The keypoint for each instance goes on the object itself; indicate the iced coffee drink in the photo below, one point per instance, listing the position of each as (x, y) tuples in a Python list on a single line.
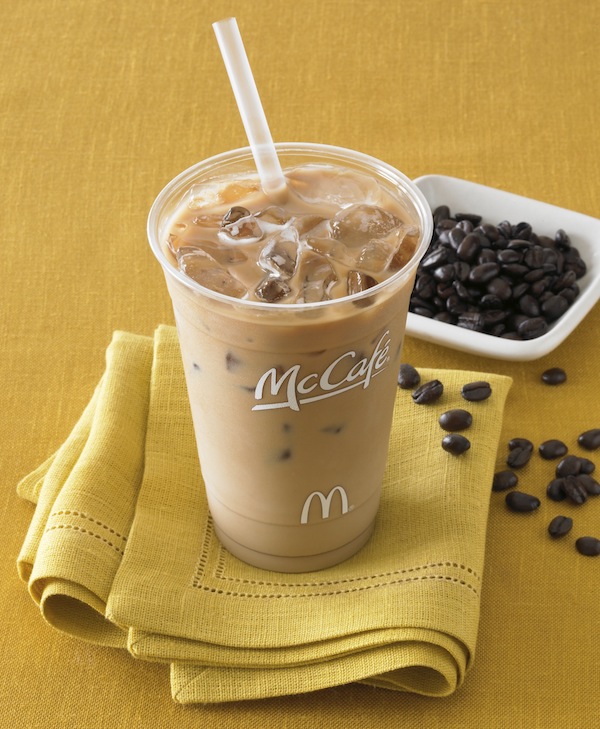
[(290, 314)]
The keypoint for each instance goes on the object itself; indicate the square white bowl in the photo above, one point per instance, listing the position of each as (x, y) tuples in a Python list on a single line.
[(462, 196)]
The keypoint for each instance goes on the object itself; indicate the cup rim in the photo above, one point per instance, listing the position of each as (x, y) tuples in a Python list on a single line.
[(334, 153)]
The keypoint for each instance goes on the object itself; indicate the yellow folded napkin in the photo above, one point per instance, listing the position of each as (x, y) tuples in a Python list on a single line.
[(121, 549)]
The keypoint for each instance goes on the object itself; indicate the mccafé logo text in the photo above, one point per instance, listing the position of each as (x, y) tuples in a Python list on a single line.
[(293, 389)]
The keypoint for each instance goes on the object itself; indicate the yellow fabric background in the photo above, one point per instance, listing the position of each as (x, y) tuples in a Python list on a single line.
[(101, 103)]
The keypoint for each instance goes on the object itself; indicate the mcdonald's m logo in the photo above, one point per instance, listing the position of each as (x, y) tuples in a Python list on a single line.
[(325, 503)]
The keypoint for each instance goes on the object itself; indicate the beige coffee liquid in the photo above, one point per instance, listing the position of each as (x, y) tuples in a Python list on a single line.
[(291, 403)]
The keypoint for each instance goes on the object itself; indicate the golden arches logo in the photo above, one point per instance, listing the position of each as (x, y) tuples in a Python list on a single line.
[(325, 503)]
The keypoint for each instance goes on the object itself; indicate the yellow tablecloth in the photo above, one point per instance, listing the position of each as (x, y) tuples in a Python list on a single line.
[(101, 103)]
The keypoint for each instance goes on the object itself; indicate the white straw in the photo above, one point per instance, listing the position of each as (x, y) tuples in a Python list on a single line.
[(251, 110)]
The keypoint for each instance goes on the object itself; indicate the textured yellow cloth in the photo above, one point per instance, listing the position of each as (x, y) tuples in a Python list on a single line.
[(121, 546)]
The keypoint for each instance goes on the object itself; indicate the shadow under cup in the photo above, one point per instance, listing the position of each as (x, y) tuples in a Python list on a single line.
[(291, 403)]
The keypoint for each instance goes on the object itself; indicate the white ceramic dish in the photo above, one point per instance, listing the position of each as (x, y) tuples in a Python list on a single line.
[(494, 205)]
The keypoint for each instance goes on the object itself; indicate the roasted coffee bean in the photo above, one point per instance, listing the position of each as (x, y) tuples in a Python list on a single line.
[(504, 480), (529, 305), (562, 239), (588, 546), (424, 311), (534, 257), (590, 440), (493, 317), (519, 243), (425, 286), (444, 273), (532, 276), (509, 255), (476, 391), (532, 328), (589, 484), (484, 272), (520, 443), (518, 457), (586, 466), (461, 290), (551, 449), (464, 224), (569, 466), (442, 212), (428, 392), (554, 307), (408, 377), (500, 288), (518, 291), (559, 526), (519, 501), (554, 376), (516, 271), (434, 259), (454, 420), (486, 255), (469, 247), (473, 218), (505, 261), (522, 230), (574, 490), (461, 270), (457, 307), (574, 262), (555, 490), (472, 320), (456, 236), (455, 444)]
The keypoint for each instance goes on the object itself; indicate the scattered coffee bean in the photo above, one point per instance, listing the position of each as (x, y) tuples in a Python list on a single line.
[(520, 443), (574, 490), (588, 546), (408, 377), (518, 456), (590, 440), (559, 526), (457, 419), (455, 444), (504, 280), (586, 466), (428, 392), (522, 502), (504, 480), (476, 391), (555, 490), (554, 376), (569, 466), (589, 484), (551, 449)]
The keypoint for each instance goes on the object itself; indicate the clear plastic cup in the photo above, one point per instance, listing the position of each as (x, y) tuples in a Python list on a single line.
[(291, 403)]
